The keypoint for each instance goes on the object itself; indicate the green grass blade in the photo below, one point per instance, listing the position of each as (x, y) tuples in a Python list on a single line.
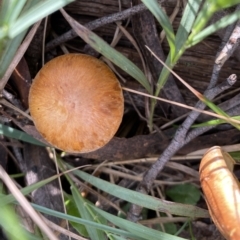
[(102, 227), (83, 221), (116, 237), (219, 111), (222, 4), (34, 14), (6, 9), (3, 32), (141, 231), (110, 53), (213, 122), (207, 11), (202, 19), (10, 222), (97, 216), (8, 48), (164, 21), (16, 134), (235, 156), (72, 210), (186, 23), (222, 23), (83, 210), (163, 76), (16, 10), (142, 199)]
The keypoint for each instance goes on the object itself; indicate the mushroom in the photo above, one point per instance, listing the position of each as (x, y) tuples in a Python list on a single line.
[(221, 191), (76, 103)]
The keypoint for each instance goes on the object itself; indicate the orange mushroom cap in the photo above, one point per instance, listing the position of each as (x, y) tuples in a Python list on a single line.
[(221, 190), (76, 103)]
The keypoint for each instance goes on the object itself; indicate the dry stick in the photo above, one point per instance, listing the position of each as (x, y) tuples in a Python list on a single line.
[(180, 137), (230, 46), (18, 56), (26, 205), (96, 24), (177, 143)]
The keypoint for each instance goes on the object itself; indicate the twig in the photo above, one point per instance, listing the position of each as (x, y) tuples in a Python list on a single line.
[(217, 67), (179, 139), (96, 24), (25, 204), (230, 46), (181, 134), (177, 143)]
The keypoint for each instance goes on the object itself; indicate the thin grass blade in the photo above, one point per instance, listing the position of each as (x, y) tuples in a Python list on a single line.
[(164, 21), (83, 221), (10, 222), (142, 199), (8, 48), (115, 237), (6, 10), (16, 134), (211, 105), (83, 210), (213, 122), (186, 23), (222, 23), (222, 4), (34, 14), (139, 230), (219, 111), (16, 10), (207, 11), (163, 76), (72, 210)]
